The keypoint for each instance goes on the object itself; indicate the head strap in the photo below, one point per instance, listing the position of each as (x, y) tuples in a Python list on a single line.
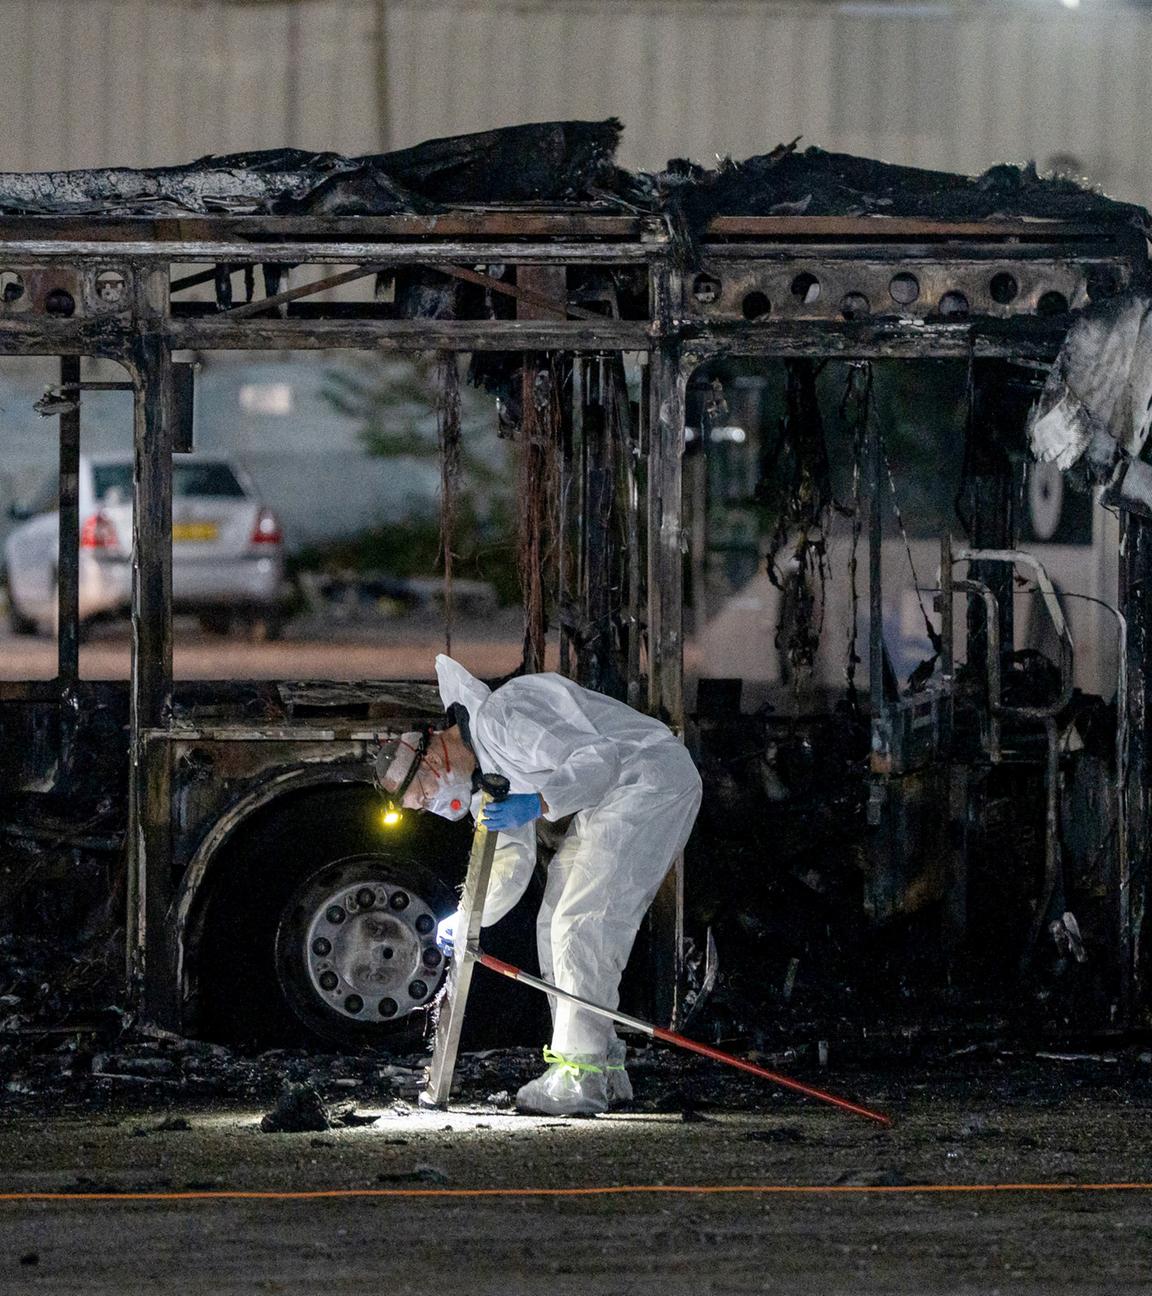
[(396, 795)]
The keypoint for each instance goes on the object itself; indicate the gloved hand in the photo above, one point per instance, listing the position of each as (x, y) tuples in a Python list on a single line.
[(513, 812), (446, 932)]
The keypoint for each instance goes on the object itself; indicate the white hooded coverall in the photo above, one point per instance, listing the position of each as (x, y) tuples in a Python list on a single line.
[(634, 791)]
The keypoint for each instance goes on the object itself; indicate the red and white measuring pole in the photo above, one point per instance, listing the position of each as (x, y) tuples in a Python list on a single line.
[(671, 1037)]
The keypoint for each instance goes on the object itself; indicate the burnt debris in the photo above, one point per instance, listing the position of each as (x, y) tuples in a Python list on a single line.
[(814, 182), (299, 1109), (554, 163), (550, 162)]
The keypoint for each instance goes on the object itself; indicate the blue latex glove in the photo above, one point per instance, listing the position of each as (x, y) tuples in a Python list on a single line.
[(446, 932), (513, 812)]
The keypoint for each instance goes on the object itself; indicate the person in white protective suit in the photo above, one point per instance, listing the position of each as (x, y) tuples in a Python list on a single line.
[(633, 793)]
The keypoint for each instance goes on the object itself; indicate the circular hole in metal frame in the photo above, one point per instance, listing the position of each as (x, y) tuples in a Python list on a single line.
[(1104, 281), (11, 287), (805, 287), (755, 306), (904, 288), (60, 303), (110, 287), (1052, 303), (1003, 288), (706, 289)]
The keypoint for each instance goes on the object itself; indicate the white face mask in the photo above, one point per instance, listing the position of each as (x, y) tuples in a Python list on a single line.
[(452, 797)]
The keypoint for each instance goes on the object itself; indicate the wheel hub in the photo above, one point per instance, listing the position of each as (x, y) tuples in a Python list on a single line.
[(371, 951)]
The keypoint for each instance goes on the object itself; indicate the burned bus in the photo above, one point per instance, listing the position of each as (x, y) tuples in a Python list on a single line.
[(719, 388)]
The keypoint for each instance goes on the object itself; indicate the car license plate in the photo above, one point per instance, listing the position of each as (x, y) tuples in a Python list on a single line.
[(195, 531)]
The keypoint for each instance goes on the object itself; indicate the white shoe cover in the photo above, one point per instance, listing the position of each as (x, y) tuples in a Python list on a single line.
[(574, 1085), (619, 1084)]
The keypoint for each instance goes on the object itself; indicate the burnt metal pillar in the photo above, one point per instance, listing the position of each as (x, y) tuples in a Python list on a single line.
[(549, 283), (881, 760), (597, 663), (68, 554), (150, 880), (954, 929), (990, 500), (630, 451), (1136, 604), (668, 384), (568, 508)]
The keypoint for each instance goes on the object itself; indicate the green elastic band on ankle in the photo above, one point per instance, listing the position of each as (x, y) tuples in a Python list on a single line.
[(615, 1066), (569, 1066)]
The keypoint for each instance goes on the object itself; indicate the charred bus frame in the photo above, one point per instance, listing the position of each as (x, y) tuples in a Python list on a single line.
[(740, 300)]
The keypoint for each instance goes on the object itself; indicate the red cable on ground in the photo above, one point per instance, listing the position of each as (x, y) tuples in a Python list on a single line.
[(671, 1037), (705, 1050)]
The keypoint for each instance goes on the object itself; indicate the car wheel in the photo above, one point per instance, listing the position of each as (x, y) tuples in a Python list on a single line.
[(356, 953), (18, 623), (254, 979), (264, 627), (215, 621)]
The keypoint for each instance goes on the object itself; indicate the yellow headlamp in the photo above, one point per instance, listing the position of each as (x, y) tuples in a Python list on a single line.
[(392, 789)]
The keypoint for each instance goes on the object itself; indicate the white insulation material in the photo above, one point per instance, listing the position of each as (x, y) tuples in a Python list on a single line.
[(1096, 408), (1101, 382)]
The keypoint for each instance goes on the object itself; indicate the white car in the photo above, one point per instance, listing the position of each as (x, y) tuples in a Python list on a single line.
[(227, 549)]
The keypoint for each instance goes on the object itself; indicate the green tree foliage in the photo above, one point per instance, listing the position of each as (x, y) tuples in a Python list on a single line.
[(393, 403), (392, 400)]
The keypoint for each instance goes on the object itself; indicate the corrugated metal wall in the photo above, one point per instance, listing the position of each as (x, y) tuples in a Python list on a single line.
[(151, 82), (959, 86)]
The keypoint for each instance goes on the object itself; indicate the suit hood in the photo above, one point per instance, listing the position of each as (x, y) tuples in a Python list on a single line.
[(459, 685)]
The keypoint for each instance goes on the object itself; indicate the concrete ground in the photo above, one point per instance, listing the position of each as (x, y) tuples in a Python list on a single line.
[(837, 1204)]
